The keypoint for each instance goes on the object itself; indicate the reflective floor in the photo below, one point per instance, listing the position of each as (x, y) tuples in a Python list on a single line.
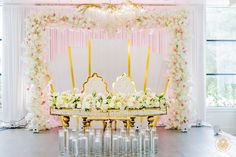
[(198, 142)]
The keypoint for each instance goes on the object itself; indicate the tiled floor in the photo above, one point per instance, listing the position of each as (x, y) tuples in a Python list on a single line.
[(198, 142)]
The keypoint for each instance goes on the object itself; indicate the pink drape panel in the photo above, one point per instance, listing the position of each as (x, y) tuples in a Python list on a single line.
[(61, 38)]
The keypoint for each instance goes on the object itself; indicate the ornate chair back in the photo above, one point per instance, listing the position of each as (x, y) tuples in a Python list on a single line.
[(95, 83), (124, 85)]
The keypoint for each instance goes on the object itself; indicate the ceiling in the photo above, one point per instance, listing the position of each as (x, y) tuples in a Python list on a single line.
[(162, 2), (107, 1)]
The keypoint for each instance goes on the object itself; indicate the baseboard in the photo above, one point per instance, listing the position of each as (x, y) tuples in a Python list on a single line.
[(229, 130), (223, 117)]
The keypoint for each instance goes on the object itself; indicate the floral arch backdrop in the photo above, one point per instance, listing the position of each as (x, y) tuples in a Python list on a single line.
[(126, 17)]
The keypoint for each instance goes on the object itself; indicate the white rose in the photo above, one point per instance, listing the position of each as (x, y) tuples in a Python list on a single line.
[(111, 105)]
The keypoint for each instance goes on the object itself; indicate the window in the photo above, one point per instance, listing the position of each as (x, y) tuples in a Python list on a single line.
[(1, 56), (221, 56)]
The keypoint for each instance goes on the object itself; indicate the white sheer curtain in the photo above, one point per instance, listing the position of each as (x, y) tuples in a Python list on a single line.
[(197, 58), (14, 89), (13, 94)]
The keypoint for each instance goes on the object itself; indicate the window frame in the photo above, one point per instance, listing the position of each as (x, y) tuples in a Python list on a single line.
[(215, 74), (1, 85)]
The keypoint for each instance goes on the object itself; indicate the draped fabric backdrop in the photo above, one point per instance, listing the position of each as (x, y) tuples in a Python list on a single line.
[(13, 86), (109, 59)]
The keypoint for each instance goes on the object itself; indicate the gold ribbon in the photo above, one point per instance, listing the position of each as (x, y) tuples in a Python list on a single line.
[(166, 86), (165, 89), (51, 88), (71, 67), (89, 57), (129, 63), (146, 75), (146, 70)]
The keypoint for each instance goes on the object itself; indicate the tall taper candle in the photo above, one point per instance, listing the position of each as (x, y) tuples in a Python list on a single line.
[(146, 145), (71, 67), (129, 63), (75, 147), (135, 146), (146, 70), (89, 57), (61, 141), (154, 148), (115, 146)]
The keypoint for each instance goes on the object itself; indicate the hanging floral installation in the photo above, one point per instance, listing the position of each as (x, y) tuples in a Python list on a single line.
[(109, 18)]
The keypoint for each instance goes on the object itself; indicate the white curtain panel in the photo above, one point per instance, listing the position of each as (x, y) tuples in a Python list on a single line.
[(13, 98), (197, 60), (14, 89)]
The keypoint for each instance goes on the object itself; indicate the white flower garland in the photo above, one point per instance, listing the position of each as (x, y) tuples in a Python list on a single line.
[(98, 101), (90, 17)]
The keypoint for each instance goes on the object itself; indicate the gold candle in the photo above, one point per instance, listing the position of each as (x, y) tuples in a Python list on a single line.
[(129, 65), (166, 86), (51, 88), (146, 70), (71, 67), (89, 57), (165, 89)]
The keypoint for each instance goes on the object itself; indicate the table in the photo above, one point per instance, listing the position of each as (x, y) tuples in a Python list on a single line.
[(127, 116)]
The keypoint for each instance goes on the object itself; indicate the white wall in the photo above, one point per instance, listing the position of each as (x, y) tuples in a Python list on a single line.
[(223, 117)]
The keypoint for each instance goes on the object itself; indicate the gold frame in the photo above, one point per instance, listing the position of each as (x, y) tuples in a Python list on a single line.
[(128, 120), (111, 110), (94, 75)]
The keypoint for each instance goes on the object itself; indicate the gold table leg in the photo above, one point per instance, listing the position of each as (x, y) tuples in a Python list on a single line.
[(125, 124), (88, 123), (132, 121), (84, 122), (65, 120), (156, 121), (115, 125), (104, 125), (150, 121), (77, 123), (110, 123)]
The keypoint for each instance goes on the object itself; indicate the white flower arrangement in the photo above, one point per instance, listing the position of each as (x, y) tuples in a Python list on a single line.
[(110, 19), (98, 101)]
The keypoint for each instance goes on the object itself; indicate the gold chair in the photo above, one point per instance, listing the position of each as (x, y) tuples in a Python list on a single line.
[(124, 85), (94, 84)]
